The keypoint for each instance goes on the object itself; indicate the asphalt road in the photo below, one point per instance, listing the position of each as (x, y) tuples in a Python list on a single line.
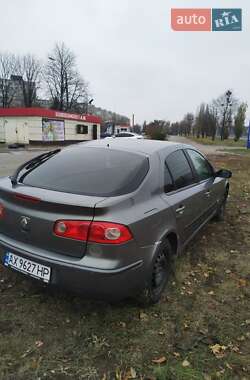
[(10, 160)]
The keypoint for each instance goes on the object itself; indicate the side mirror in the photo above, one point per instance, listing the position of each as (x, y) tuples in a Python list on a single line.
[(223, 173)]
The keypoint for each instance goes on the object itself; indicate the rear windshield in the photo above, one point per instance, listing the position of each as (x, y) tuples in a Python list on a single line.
[(89, 171)]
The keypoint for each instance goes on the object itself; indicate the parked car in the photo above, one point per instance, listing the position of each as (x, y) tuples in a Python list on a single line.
[(130, 135), (107, 220), (105, 134)]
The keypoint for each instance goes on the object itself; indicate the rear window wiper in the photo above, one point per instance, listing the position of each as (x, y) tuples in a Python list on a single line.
[(29, 165)]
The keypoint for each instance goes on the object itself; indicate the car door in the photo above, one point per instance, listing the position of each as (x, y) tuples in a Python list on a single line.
[(205, 177), (183, 194)]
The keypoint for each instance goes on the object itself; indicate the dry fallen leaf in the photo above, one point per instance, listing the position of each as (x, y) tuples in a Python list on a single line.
[(122, 324), (118, 374), (242, 283), (176, 354), (211, 293), (241, 338), (185, 363), (218, 350), (39, 343), (229, 366), (161, 360), (27, 353), (235, 349), (133, 373), (143, 316)]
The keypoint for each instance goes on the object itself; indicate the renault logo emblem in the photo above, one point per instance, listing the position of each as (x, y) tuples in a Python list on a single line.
[(25, 222)]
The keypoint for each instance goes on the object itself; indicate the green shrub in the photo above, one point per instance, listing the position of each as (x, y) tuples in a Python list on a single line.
[(156, 133)]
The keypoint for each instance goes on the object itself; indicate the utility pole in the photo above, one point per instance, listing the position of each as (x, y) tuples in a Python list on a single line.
[(133, 121)]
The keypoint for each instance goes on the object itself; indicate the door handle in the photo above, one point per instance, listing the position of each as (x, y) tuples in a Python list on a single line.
[(180, 210), (208, 193)]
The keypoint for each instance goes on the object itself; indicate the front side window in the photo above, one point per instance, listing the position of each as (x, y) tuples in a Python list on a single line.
[(180, 169), (201, 165)]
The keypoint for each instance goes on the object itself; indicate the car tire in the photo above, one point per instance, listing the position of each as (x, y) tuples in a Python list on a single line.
[(220, 214), (161, 270)]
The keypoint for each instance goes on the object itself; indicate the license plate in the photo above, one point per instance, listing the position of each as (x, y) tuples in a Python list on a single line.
[(27, 267)]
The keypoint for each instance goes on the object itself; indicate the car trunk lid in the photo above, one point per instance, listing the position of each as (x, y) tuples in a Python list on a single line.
[(30, 214)]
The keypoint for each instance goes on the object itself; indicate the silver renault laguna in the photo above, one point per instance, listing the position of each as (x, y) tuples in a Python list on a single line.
[(107, 218)]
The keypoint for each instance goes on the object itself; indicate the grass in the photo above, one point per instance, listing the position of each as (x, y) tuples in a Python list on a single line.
[(208, 141), (240, 151), (177, 372), (51, 335)]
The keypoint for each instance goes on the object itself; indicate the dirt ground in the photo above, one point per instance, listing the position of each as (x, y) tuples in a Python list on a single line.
[(200, 330), (209, 148)]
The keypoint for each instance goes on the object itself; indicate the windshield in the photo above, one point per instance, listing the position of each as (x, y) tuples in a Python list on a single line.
[(90, 171)]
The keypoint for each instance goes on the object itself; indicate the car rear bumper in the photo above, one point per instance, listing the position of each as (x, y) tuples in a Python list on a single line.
[(114, 284)]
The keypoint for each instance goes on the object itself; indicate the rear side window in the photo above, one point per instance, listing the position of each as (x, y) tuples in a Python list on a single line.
[(89, 171), (201, 165), (168, 182), (180, 169)]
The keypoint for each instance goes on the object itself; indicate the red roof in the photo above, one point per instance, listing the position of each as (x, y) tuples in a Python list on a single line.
[(48, 113)]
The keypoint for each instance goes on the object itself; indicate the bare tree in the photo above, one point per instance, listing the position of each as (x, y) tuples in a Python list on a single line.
[(199, 121), (212, 116), (66, 87), (30, 69), (206, 121), (7, 68), (226, 106), (175, 128), (239, 121), (187, 124)]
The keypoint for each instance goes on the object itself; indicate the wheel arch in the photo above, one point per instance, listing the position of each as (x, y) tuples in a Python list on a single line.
[(173, 239)]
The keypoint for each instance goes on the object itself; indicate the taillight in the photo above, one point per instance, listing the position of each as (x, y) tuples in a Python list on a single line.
[(1, 211), (95, 232), (109, 233), (72, 229)]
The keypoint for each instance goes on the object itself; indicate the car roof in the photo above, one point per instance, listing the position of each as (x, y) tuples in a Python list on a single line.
[(145, 146)]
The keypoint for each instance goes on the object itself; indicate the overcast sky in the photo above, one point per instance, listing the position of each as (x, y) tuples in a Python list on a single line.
[(129, 55)]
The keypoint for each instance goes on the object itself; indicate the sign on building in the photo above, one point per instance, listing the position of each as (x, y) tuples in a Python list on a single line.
[(53, 130)]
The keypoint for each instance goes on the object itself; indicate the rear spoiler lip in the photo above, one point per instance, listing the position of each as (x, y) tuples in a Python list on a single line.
[(50, 196)]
